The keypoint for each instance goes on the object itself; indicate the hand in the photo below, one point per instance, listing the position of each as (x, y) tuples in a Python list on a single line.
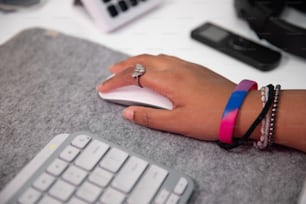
[(198, 95)]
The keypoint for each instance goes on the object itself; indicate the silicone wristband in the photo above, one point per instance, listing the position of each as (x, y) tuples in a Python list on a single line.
[(232, 109)]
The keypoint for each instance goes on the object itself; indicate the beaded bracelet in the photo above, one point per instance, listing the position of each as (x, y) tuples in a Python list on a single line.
[(273, 115), (267, 130), (232, 108), (263, 140), (259, 118)]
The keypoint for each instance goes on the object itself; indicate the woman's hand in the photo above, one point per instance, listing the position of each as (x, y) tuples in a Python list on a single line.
[(198, 95)]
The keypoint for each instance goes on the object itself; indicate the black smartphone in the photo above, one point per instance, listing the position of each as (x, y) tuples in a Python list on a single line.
[(236, 46)]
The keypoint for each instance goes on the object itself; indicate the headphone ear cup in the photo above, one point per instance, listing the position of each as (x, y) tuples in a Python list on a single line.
[(278, 6), (299, 5), (241, 7), (275, 6)]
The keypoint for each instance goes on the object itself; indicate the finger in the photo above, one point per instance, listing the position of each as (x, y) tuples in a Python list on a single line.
[(130, 62), (151, 79), (152, 118), (125, 78), (123, 72), (144, 59), (122, 78)]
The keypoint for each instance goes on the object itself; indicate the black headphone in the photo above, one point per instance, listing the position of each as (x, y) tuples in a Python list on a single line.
[(262, 16)]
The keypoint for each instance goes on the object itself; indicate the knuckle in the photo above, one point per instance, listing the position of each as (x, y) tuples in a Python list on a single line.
[(146, 120), (163, 55), (143, 56), (173, 76), (143, 118), (169, 57)]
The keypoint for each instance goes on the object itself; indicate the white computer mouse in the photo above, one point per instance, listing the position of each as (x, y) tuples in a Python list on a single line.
[(135, 95)]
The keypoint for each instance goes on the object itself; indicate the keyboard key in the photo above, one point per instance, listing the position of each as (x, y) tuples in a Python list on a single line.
[(148, 185), (113, 160), (48, 200), (89, 192), (61, 190), (95, 150), (75, 200), (129, 174), (100, 177), (43, 182), (173, 199), (81, 141), (29, 196), (123, 6), (69, 153), (112, 196), (57, 167), (162, 196), (112, 11), (180, 186), (74, 175)]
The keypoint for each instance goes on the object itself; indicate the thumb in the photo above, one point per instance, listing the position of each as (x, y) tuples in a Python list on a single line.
[(151, 117)]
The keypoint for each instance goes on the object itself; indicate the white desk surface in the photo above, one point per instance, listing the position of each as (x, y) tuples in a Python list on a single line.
[(164, 30)]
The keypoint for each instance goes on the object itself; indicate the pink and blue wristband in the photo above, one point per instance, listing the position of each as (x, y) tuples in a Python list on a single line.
[(232, 109)]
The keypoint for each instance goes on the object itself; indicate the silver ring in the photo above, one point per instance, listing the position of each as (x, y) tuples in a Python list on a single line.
[(138, 72)]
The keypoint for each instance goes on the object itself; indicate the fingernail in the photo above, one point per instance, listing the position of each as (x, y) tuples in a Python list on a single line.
[(128, 114)]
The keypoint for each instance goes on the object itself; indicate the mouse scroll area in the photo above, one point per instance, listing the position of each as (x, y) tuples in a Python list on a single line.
[(134, 95)]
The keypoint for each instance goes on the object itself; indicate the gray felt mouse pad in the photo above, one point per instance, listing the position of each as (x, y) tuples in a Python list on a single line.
[(47, 87)]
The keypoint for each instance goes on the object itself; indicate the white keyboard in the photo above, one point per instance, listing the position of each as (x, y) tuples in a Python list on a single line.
[(111, 14), (81, 168)]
